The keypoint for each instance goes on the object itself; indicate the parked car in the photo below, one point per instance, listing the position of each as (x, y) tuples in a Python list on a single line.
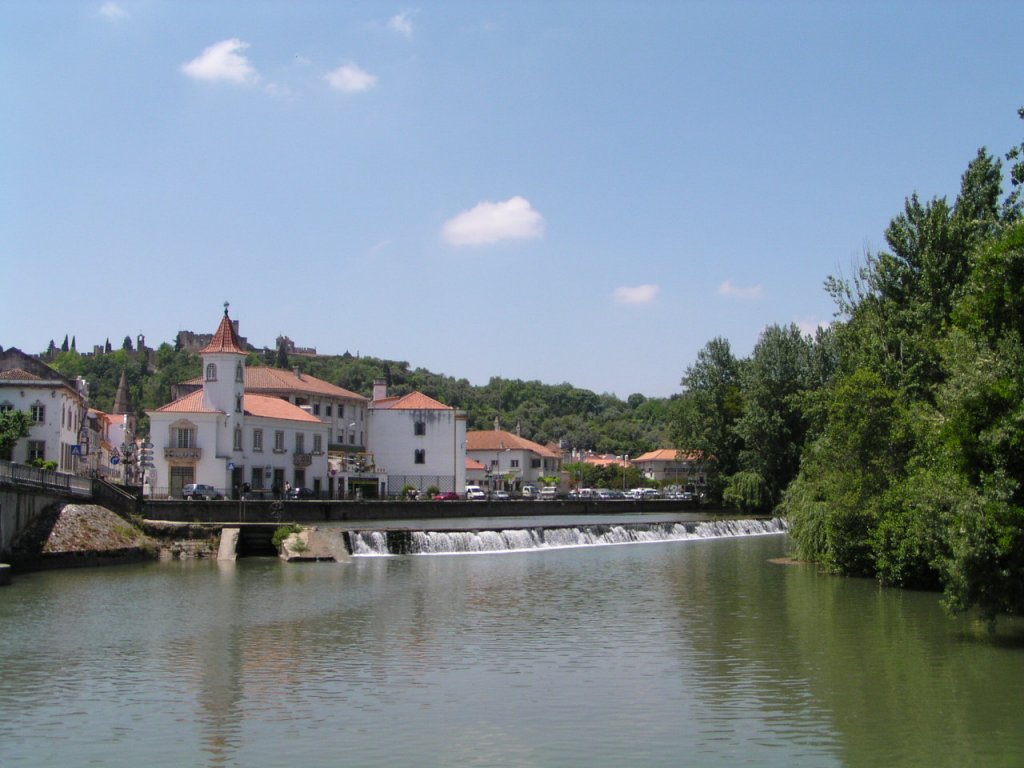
[(500, 496), (529, 492), (200, 491), (475, 493), (549, 492), (446, 496), (299, 493)]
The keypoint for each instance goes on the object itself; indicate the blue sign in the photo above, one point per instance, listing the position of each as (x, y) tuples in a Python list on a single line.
[(231, 466), (114, 460), (76, 450)]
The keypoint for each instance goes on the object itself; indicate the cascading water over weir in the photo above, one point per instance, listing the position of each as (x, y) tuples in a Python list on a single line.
[(407, 542)]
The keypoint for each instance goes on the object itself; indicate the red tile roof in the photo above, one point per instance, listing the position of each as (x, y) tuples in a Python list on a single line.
[(261, 379), (474, 464), (225, 339), (263, 406), (191, 403), (19, 374), (269, 407), (414, 401), (279, 380), (499, 440), (666, 454)]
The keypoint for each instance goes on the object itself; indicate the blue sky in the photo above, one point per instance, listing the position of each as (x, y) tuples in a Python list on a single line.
[(582, 192)]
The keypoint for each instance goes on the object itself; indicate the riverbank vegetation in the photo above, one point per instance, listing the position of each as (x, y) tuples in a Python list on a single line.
[(894, 440)]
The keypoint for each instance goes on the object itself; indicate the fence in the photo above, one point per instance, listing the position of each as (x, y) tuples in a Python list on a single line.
[(19, 474)]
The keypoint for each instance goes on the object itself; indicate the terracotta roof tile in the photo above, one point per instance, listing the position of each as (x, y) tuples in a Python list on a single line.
[(19, 374), (190, 403), (499, 440), (261, 379), (474, 464), (666, 454), (269, 407), (414, 401), (225, 339), (262, 406)]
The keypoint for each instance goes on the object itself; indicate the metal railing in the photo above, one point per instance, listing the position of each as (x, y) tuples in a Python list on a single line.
[(20, 474)]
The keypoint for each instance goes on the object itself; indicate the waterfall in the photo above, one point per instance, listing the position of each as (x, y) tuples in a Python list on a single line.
[(378, 543)]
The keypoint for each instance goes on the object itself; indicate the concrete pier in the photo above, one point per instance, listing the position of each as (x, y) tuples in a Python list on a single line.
[(228, 544)]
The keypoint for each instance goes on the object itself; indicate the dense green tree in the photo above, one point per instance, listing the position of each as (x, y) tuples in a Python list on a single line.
[(772, 426), (706, 413), (14, 425)]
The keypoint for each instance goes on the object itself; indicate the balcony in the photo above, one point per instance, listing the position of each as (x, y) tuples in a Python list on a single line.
[(302, 459), (183, 454)]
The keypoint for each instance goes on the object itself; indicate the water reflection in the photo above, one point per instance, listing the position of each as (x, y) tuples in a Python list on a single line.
[(696, 653)]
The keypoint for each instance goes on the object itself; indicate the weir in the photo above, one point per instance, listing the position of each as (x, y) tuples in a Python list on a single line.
[(376, 543)]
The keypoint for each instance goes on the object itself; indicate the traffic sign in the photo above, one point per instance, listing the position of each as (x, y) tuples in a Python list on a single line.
[(115, 460)]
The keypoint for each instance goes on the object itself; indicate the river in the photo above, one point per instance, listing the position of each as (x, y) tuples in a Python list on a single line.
[(693, 652)]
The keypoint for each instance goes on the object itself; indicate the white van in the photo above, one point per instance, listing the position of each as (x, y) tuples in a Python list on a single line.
[(475, 493), (529, 491), (549, 492)]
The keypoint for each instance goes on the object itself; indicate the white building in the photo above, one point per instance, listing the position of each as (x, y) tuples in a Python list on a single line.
[(669, 467), (224, 436), (342, 411), (511, 461), (58, 408), (416, 441)]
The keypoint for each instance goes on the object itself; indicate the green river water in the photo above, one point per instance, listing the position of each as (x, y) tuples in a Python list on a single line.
[(686, 653)]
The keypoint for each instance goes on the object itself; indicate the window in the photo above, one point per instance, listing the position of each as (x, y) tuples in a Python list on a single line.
[(5, 407), (184, 438), (316, 409), (238, 373), (211, 372), (420, 456), (351, 438), (238, 439), (318, 446), (535, 463), (330, 410), (37, 450), (257, 439), (300, 442), (514, 463), (238, 403), (257, 479), (420, 428), (38, 413), (279, 441)]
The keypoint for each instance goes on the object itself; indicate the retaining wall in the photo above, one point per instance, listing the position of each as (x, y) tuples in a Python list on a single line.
[(181, 511)]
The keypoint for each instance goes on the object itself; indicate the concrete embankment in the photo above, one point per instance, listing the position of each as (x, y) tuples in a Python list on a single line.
[(68, 535)]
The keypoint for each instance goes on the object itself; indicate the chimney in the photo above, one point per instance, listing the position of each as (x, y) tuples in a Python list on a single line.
[(297, 372), (380, 389)]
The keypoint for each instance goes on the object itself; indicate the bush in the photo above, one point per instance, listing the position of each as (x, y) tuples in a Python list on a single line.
[(283, 533)]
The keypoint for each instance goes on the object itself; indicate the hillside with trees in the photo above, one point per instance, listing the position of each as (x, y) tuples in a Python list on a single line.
[(544, 413)]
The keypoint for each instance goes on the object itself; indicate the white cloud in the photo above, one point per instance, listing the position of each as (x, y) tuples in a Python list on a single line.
[(735, 291), (113, 11), (402, 24), (809, 325), (223, 61), (514, 219), (636, 294), (350, 79)]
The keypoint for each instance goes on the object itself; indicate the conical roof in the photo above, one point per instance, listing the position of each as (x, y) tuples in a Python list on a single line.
[(122, 403), (225, 340)]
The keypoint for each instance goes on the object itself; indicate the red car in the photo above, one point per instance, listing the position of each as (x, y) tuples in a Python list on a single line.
[(446, 496)]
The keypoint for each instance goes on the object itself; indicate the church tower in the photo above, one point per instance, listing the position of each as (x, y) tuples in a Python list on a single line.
[(224, 371)]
